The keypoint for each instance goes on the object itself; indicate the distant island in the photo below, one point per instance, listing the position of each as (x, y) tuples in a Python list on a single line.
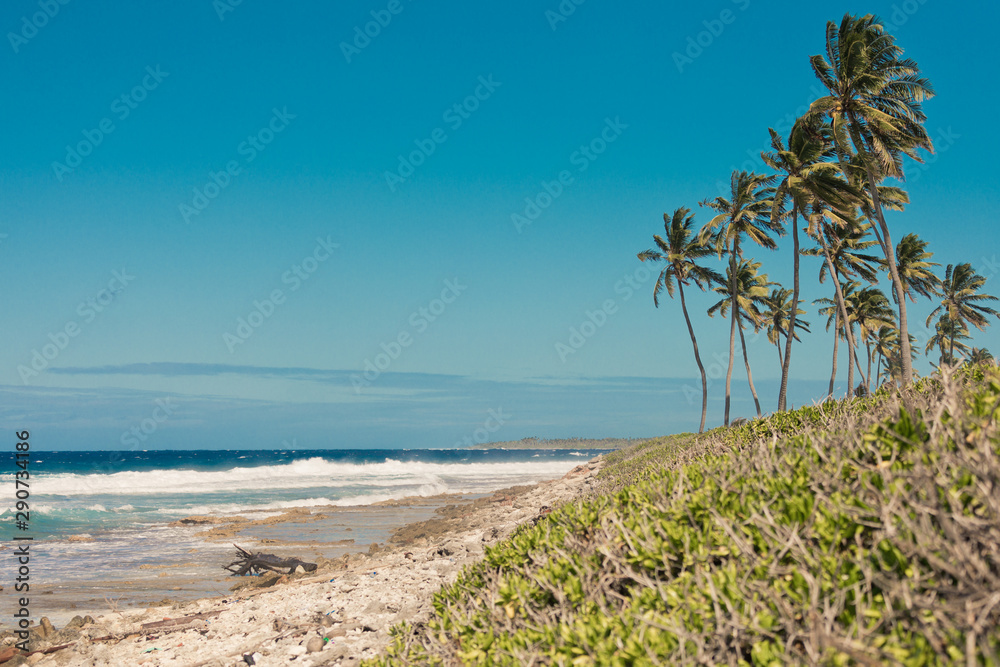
[(562, 443)]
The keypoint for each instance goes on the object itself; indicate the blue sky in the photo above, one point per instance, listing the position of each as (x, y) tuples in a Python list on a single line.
[(189, 165)]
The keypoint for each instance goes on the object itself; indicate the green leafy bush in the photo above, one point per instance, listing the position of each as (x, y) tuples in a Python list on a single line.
[(864, 531)]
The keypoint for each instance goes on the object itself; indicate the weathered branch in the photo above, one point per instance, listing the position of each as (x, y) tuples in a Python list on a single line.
[(255, 563)]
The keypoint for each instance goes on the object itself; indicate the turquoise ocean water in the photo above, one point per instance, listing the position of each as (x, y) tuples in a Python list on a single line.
[(98, 518)]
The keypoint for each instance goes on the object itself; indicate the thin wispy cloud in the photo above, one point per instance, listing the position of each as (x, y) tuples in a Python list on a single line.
[(429, 411)]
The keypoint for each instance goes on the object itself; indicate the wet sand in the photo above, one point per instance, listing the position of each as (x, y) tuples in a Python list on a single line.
[(337, 615), (308, 533)]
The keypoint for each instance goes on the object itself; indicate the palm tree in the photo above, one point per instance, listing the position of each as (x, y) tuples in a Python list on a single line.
[(871, 311), (874, 103), (744, 292), (949, 335), (914, 266), (680, 248), (778, 317), (807, 178), (842, 247), (962, 302), (979, 355), (886, 345), (747, 212), (847, 245), (894, 362), (840, 313), (831, 309)]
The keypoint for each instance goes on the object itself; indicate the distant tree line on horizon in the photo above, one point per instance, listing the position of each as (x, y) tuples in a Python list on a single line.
[(562, 443), (830, 172)]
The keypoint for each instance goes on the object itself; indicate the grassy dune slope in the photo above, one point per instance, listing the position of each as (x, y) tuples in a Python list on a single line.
[(860, 532)]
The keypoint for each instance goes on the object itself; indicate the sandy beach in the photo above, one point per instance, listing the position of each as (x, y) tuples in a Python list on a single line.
[(337, 615)]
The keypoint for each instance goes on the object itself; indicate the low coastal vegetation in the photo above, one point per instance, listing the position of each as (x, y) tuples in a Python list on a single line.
[(861, 531)]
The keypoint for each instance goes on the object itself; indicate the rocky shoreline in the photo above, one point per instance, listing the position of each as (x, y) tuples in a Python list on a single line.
[(338, 615)]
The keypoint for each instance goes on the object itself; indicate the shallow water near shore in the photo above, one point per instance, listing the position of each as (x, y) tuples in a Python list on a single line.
[(106, 525)]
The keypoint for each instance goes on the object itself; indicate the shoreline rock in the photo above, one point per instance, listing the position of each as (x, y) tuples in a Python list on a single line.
[(335, 616)]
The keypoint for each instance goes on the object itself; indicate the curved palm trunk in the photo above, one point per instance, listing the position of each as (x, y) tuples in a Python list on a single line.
[(743, 344), (890, 256), (697, 358), (836, 345), (729, 372), (897, 284), (857, 362), (951, 346), (781, 363), (851, 354), (786, 363), (852, 359), (868, 376), (732, 338)]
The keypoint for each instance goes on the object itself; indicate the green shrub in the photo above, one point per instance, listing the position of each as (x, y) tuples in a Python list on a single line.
[(864, 531)]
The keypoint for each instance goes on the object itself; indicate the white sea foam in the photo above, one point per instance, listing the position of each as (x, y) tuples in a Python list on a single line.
[(409, 478), (262, 510), (40, 509)]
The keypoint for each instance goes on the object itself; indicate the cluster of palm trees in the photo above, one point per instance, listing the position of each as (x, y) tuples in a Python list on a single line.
[(831, 173)]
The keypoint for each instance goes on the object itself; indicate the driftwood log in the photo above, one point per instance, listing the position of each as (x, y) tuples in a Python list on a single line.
[(182, 623), (256, 563)]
